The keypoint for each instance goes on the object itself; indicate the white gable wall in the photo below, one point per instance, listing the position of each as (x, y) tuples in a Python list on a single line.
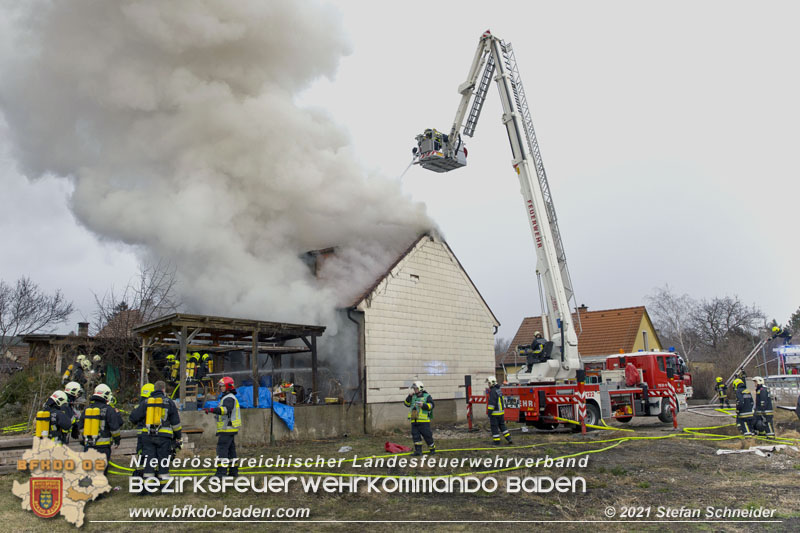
[(426, 321)]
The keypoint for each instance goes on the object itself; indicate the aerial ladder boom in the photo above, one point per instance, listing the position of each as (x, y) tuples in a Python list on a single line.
[(494, 60)]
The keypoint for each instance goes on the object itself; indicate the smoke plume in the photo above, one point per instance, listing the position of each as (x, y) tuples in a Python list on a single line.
[(176, 123)]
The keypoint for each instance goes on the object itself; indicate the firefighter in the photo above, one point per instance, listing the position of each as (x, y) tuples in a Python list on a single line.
[(744, 408), (782, 333), (99, 368), (192, 366), (147, 390), (171, 369), (79, 374), (495, 412), (69, 373), (74, 391), (420, 413), (722, 391), (763, 409), (229, 420), (534, 353), (59, 421), (160, 424), (108, 429)]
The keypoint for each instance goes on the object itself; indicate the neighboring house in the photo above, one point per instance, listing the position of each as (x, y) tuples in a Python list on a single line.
[(14, 356), (603, 332), (423, 318)]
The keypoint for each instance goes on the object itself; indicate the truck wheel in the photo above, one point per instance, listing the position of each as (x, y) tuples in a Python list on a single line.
[(592, 418), (666, 414), (592, 414)]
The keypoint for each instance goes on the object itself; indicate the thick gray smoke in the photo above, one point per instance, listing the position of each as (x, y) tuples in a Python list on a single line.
[(176, 122)]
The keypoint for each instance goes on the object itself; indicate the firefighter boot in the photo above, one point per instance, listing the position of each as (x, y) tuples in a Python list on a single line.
[(508, 440), (417, 449), (431, 449)]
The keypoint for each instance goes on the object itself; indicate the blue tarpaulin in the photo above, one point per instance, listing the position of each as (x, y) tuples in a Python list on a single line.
[(245, 397)]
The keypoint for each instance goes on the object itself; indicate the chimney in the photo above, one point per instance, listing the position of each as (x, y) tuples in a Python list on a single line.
[(583, 308), (83, 329)]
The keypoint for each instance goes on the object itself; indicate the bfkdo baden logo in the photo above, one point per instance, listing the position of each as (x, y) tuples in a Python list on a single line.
[(46, 495)]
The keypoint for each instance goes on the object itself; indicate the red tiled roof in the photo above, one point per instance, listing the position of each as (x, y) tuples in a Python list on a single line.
[(603, 332)]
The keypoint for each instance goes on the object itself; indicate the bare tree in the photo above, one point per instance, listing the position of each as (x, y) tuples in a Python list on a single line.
[(148, 296), (671, 315), (716, 320), (501, 345), (25, 309)]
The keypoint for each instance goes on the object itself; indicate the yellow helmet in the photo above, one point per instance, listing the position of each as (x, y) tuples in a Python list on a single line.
[(775, 329), (719, 379), (737, 382), (147, 390), (171, 357)]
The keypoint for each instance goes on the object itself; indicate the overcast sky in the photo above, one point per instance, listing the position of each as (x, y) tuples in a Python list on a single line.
[(668, 131)]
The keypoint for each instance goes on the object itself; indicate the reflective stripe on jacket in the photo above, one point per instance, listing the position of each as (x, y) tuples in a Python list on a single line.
[(420, 407), (495, 405), (229, 419)]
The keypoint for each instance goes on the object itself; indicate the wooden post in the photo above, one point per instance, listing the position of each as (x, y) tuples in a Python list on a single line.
[(182, 378), (59, 358), (314, 388), (254, 367), (143, 376)]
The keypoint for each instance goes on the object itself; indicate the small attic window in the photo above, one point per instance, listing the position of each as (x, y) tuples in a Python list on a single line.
[(414, 278)]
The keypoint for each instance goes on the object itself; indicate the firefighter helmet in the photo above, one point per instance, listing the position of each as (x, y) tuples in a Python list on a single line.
[(537, 334), (96, 358), (206, 357), (226, 384), (195, 356), (719, 379), (103, 391), (775, 329), (147, 390), (80, 357), (86, 364), (59, 398), (171, 357), (491, 381), (737, 382), (758, 380), (418, 385), (74, 389)]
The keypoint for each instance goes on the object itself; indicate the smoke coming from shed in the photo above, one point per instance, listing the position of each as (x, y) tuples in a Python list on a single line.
[(176, 123)]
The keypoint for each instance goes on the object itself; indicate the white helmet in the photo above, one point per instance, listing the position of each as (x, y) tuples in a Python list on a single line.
[(418, 385), (73, 389), (86, 364), (59, 397), (104, 391), (96, 358), (758, 380), (491, 381), (80, 358)]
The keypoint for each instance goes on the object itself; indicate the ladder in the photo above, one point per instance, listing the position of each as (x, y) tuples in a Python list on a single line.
[(480, 97), (744, 363), (533, 147)]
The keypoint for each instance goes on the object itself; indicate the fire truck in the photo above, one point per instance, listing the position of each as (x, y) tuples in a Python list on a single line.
[(558, 385)]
